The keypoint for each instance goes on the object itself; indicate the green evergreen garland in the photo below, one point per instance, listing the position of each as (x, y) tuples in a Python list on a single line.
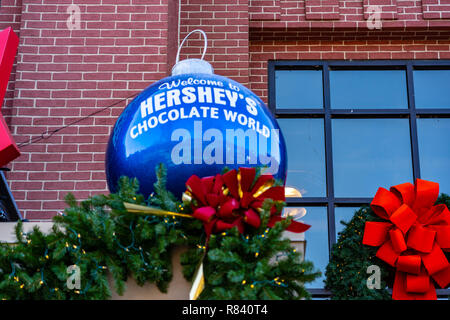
[(99, 236), (346, 273)]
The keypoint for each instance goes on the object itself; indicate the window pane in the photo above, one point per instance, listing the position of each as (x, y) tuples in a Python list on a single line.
[(344, 214), (434, 151), (432, 88), (316, 238), (370, 153), (298, 89), (306, 156), (368, 89)]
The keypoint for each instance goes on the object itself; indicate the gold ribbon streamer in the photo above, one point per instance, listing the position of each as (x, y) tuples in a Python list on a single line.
[(135, 208), (198, 285)]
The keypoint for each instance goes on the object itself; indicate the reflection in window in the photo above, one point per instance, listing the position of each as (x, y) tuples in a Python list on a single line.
[(368, 150), (432, 88), (306, 156), (368, 89), (316, 237), (344, 214), (298, 89), (434, 151), (369, 153)]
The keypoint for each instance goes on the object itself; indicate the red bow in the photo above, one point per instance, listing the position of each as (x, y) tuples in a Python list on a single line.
[(234, 199), (413, 239)]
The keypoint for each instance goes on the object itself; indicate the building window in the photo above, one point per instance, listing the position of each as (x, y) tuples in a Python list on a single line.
[(353, 126)]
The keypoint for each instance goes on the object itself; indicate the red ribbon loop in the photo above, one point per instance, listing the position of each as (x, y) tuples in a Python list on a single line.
[(403, 218), (387, 254), (385, 203), (427, 193), (435, 261), (375, 233), (421, 239), (443, 237), (228, 208), (413, 237), (405, 192), (410, 264), (398, 241), (204, 214)]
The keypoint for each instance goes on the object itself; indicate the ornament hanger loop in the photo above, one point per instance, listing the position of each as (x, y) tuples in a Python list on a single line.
[(185, 38)]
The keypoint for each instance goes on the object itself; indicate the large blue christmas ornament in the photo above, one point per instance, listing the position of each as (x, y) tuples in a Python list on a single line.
[(194, 123)]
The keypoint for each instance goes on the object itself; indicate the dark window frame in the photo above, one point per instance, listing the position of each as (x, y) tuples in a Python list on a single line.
[(327, 113)]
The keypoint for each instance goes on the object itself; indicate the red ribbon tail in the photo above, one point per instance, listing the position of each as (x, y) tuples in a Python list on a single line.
[(222, 225), (399, 288), (298, 227)]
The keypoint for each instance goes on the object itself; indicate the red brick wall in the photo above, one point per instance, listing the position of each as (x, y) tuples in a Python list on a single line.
[(123, 46), (436, 9), (10, 15), (337, 14), (226, 25)]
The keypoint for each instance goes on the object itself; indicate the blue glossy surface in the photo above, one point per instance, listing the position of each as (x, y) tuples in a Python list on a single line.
[(193, 134)]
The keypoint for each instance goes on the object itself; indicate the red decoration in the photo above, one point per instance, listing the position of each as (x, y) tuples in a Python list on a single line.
[(413, 239), (234, 199), (8, 47)]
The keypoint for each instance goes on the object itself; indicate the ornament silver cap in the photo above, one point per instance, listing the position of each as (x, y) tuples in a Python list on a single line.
[(192, 65)]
